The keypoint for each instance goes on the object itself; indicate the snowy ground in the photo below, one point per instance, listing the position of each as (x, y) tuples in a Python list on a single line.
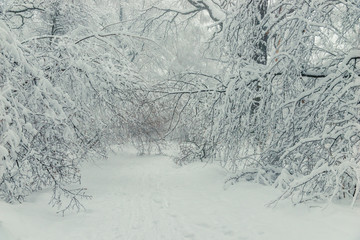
[(149, 198)]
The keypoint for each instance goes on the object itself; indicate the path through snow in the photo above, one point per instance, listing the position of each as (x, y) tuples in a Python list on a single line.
[(149, 198)]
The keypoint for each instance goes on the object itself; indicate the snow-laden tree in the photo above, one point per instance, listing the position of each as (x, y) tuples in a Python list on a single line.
[(177, 74), (285, 110), (93, 63), (298, 111), (82, 93), (38, 147), (53, 17)]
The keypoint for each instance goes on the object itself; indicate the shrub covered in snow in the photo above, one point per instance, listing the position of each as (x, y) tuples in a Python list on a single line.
[(38, 147)]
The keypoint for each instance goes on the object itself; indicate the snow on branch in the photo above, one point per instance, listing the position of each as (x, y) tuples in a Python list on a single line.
[(214, 10)]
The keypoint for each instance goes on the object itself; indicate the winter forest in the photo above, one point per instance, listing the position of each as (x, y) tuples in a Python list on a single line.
[(269, 90)]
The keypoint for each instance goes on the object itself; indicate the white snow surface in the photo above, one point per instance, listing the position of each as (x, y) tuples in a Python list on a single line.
[(150, 198)]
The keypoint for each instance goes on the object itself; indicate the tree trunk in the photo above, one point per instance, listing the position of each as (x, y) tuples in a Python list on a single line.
[(260, 55)]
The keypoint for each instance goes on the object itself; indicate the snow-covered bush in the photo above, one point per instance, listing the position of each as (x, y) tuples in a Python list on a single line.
[(38, 147)]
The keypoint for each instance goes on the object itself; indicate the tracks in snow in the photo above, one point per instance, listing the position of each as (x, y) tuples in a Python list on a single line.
[(141, 204), (149, 198)]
